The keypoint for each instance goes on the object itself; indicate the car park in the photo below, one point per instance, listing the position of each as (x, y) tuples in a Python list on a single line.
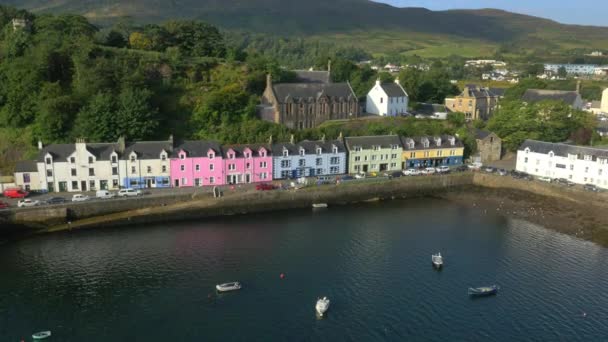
[(264, 187), (129, 192), (26, 202), (591, 187), (80, 198), (443, 169)]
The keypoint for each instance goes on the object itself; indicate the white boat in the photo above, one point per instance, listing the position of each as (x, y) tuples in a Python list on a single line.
[(319, 205), (41, 335), (233, 286), (322, 305), (437, 260)]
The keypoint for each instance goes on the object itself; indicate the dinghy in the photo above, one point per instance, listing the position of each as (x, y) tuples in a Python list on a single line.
[(483, 291), (226, 287), (322, 306), (41, 335)]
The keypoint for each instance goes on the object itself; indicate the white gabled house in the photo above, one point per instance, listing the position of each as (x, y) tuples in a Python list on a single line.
[(387, 99), (578, 164)]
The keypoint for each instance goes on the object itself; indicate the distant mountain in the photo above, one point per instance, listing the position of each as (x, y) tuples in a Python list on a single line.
[(323, 17)]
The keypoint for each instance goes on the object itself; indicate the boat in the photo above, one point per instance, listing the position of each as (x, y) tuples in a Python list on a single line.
[(322, 306), (41, 335), (437, 260), (483, 291), (319, 205), (226, 287)]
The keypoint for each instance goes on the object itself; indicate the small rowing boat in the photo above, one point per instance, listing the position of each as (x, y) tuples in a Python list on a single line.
[(483, 291), (437, 260), (41, 335), (319, 205), (322, 306), (226, 287)]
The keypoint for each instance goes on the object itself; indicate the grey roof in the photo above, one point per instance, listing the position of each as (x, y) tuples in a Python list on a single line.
[(313, 91), (500, 92), (198, 148), (306, 76), (26, 166), (57, 151), (366, 142), (562, 150), (393, 89), (472, 90), (310, 147), (239, 149), (103, 150), (536, 95), (429, 109), (479, 134), (148, 149), (419, 144)]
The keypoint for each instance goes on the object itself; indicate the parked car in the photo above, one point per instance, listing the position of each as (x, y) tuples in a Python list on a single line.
[(564, 181), (264, 187), (489, 169), (346, 178), (360, 175), (15, 193), (443, 169), (56, 200), (429, 171), (462, 168), (591, 187), (26, 202), (104, 194), (545, 179), (502, 172), (4, 205), (129, 192), (325, 180), (521, 175), (395, 174), (475, 166), (80, 198), (411, 172)]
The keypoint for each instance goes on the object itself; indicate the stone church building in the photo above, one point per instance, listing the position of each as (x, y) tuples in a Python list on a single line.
[(312, 100)]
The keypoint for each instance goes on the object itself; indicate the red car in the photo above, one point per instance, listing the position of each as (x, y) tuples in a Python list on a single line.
[(264, 187), (3, 205), (15, 193)]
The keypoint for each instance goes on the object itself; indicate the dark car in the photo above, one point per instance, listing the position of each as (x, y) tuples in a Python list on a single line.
[(56, 200), (591, 187), (396, 174), (462, 168), (264, 187), (346, 178), (564, 181), (3, 205)]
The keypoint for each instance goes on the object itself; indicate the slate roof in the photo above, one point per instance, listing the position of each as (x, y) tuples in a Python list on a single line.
[(419, 145), (310, 147), (306, 76), (480, 135), (102, 151), (240, 149), (562, 150), (148, 149), (472, 90), (57, 151), (304, 91), (366, 142), (393, 89), (429, 109), (197, 148), (536, 95), (26, 166)]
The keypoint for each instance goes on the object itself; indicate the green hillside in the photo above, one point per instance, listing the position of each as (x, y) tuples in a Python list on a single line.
[(377, 27)]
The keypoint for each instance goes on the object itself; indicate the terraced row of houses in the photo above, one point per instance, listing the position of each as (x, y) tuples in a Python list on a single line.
[(86, 166)]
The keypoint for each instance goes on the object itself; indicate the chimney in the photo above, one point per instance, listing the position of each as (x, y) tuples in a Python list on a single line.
[(397, 80), (40, 146), (341, 137), (578, 87), (378, 81), (121, 144), (323, 138), (268, 81), (270, 140), (292, 139)]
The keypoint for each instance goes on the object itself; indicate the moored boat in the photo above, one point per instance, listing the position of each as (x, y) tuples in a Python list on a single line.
[(483, 291), (437, 260), (41, 335), (322, 306), (319, 205), (226, 287)]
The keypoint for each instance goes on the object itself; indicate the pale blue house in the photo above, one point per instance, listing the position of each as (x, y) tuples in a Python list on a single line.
[(308, 159)]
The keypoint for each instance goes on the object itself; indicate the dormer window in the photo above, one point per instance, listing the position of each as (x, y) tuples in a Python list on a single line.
[(163, 157), (334, 149), (551, 154), (49, 160), (302, 152), (285, 152), (247, 154), (133, 157), (393, 147), (231, 155), (114, 158), (527, 150), (588, 157), (452, 141), (319, 150), (376, 148), (410, 144), (72, 160), (182, 156), (210, 155), (358, 148), (262, 153)]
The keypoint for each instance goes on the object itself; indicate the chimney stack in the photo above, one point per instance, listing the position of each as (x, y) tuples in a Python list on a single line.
[(121, 144), (270, 140), (268, 80), (292, 139), (40, 146), (378, 81), (323, 138), (341, 137)]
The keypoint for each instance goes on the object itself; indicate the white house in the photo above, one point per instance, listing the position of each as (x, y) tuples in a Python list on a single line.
[(387, 99), (581, 165)]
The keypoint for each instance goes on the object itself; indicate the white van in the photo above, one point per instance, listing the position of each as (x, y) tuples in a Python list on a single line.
[(129, 192), (104, 194)]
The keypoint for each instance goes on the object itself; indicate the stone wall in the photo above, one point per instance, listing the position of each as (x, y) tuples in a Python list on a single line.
[(489, 149)]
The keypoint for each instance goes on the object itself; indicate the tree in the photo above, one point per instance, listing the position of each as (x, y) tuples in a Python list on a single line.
[(196, 38), (115, 39), (97, 120), (136, 119), (56, 113), (561, 72), (139, 41)]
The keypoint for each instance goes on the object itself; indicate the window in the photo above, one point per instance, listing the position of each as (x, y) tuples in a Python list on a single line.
[(263, 165), (526, 160), (197, 182), (115, 183), (376, 148), (335, 150), (26, 178), (49, 173), (211, 180), (149, 169), (73, 160), (373, 157), (231, 167), (373, 166), (182, 156), (285, 174), (334, 160), (91, 171), (588, 158), (132, 158), (182, 168), (357, 158), (357, 148), (391, 100), (427, 154), (114, 171), (164, 168), (302, 162), (285, 163), (163, 157), (74, 185), (211, 167), (197, 167), (247, 154), (319, 151), (263, 175), (394, 147), (133, 171), (285, 153), (412, 155), (302, 152), (382, 157), (586, 169), (357, 168), (381, 100), (394, 156), (319, 161), (560, 166), (599, 172), (231, 155), (114, 159), (319, 172), (73, 172), (439, 153), (184, 181), (49, 161), (393, 165), (334, 170), (90, 160), (211, 155), (91, 185), (262, 153)]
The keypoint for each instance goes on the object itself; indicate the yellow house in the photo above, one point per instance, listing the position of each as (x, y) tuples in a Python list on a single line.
[(432, 151)]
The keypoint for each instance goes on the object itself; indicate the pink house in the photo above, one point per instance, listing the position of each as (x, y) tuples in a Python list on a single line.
[(197, 163), (247, 163)]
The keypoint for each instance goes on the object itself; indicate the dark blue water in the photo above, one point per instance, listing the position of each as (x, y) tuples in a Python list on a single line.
[(373, 261)]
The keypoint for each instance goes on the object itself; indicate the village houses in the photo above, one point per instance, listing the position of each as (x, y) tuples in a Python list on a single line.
[(387, 99), (309, 158), (374, 154)]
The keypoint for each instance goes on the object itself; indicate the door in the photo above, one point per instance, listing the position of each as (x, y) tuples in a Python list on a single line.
[(247, 178), (148, 183), (83, 185), (63, 186), (51, 187), (177, 183), (365, 169), (103, 185)]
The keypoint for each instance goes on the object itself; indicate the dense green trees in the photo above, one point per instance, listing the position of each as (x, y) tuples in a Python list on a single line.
[(431, 86)]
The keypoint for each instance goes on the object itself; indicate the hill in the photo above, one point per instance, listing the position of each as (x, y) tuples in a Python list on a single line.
[(362, 23)]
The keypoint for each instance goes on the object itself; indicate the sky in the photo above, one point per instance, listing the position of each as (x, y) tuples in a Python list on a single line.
[(583, 12)]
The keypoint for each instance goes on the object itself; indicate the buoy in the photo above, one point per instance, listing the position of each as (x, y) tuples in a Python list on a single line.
[(282, 275)]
